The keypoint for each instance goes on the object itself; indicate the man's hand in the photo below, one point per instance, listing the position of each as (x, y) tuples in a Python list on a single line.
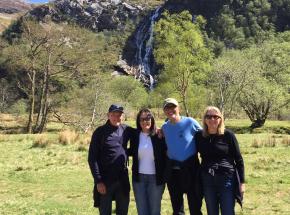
[(101, 188), (159, 133)]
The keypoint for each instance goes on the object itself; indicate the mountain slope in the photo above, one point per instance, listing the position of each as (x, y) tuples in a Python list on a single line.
[(10, 11), (15, 6)]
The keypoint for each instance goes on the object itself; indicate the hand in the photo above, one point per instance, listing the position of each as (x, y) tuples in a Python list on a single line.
[(159, 133), (242, 188), (101, 187)]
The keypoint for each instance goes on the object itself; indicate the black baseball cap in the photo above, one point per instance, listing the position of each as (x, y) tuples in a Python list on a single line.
[(116, 108)]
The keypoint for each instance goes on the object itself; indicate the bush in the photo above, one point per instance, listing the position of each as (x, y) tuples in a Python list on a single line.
[(41, 141), (18, 108), (269, 142), (67, 137), (286, 141)]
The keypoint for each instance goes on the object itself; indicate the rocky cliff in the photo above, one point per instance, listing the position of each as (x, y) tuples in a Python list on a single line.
[(97, 15)]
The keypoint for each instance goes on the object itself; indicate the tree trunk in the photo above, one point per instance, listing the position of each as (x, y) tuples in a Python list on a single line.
[(31, 102), (43, 109), (93, 115), (185, 105), (44, 119), (258, 123)]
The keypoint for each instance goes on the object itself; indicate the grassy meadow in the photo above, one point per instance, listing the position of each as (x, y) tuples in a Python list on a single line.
[(49, 174)]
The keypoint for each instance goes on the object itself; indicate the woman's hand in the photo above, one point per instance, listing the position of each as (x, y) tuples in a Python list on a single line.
[(242, 188)]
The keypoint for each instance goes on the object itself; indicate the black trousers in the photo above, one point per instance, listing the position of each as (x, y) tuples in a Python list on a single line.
[(183, 179)]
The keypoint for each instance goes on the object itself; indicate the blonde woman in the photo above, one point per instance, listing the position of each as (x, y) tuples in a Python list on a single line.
[(220, 154)]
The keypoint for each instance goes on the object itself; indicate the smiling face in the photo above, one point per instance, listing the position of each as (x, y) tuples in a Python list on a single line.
[(212, 120), (145, 121), (115, 118), (172, 112)]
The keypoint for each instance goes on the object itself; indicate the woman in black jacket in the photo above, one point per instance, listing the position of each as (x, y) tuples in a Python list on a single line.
[(149, 160), (221, 157)]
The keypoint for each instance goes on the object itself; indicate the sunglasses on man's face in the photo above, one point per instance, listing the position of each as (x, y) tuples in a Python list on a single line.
[(167, 107), (215, 117)]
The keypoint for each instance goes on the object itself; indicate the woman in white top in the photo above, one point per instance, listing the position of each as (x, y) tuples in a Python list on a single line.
[(149, 160)]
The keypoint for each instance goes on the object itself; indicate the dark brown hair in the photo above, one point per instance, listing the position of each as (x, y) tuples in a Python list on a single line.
[(153, 126)]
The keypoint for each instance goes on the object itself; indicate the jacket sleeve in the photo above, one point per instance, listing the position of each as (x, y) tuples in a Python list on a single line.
[(132, 138), (94, 154), (197, 140), (239, 162)]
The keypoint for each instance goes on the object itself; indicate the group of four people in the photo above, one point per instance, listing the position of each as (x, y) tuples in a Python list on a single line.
[(167, 155)]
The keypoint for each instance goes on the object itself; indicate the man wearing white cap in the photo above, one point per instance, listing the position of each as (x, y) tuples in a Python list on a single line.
[(183, 162)]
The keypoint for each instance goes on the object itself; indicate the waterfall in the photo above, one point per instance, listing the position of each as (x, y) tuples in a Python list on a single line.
[(144, 43)]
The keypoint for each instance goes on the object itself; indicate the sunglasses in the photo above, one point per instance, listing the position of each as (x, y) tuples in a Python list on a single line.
[(145, 119), (215, 117), (170, 106)]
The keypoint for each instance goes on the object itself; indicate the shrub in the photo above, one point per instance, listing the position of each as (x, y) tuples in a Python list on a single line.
[(83, 143), (41, 141), (270, 141), (67, 137), (286, 141), (2, 138), (19, 107), (257, 143)]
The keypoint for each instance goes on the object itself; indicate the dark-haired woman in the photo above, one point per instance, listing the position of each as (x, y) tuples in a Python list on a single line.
[(149, 160), (220, 154)]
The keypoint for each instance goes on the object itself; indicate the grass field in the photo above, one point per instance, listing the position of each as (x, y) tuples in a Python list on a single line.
[(41, 176)]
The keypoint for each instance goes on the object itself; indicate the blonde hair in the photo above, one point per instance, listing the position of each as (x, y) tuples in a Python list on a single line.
[(221, 126)]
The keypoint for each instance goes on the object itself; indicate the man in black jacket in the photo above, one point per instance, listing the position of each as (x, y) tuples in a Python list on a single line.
[(107, 160)]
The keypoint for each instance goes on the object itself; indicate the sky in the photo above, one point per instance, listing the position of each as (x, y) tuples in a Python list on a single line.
[(38, 1)]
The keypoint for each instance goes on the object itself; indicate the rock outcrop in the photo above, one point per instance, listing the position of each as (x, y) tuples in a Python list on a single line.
[(98, 15)]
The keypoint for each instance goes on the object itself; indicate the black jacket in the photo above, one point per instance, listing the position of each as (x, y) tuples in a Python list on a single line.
[(108, 156), (159, 149), (222, 151)]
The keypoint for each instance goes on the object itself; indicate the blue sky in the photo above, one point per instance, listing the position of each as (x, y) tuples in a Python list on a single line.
[(37, 1)]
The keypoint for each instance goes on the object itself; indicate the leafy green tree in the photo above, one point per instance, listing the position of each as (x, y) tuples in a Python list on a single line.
[(129, 90), (232, 72), (268, 91), (85, 107), (180, 50), (242, 23)]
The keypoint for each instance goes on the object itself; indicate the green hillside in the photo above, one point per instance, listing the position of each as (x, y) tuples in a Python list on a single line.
[(235, 55)]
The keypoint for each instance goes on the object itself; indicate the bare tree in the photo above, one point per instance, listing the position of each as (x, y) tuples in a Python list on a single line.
[(49, 56)]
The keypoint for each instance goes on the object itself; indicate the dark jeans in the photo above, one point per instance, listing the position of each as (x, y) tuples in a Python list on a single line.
[(185, 180), (148, 195), (219, 193), (122, 200)]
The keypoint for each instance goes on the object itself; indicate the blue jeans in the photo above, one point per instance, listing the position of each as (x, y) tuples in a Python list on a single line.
[(121, 198), (219, 193), (148, 195)]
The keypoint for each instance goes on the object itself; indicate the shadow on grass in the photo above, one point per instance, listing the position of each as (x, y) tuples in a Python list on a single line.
[(247, 130), (12, 130)]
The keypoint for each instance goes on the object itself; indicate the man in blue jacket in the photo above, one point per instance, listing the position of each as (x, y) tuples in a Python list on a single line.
[(107, 160), (183, 163)]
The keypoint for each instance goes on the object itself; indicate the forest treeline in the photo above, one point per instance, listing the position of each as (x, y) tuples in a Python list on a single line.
[(235, 55)]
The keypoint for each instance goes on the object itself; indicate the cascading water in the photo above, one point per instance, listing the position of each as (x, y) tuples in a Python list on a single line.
[(144, 43)]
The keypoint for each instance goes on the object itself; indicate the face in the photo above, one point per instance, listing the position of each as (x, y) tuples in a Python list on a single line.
[(115, 118), (172, 112), (212, 120), (145, 121)]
